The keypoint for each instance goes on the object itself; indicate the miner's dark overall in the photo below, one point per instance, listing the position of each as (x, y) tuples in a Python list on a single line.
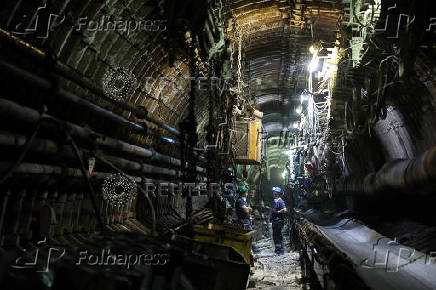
[(278, 220)]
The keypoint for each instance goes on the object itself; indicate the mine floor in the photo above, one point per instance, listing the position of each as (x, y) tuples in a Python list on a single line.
[(275, 272)]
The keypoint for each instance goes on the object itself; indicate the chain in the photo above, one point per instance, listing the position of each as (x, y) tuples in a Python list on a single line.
[(239, 36), (240, 81), (239, 63)]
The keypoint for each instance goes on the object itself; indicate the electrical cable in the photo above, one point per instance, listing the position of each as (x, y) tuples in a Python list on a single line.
[(88, 182)]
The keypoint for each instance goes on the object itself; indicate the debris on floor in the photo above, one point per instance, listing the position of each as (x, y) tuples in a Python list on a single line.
[(275, 272)]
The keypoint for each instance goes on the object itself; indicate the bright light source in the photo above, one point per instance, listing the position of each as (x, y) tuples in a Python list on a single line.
[(296, 125), (313, 64), (312, 50), (299, 109), (310, 105), (303, 97)]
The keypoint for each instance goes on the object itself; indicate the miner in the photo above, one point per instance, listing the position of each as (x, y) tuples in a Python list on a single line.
[(243, 211), (278, 220)]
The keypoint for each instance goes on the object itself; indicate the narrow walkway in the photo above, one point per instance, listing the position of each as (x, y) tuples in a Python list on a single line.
[(275, 272)]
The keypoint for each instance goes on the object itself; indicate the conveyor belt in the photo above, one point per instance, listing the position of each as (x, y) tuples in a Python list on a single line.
[(380, 262)]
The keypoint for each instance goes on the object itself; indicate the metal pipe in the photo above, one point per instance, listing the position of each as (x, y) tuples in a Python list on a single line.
[(45, 169), (403, 174), (43, 83), (141, 167), (104, 113), (48, 146), (28, 115), (34, 168), (72, 75), (141, 152)]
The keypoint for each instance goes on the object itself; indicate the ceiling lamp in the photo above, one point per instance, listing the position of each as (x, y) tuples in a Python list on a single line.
[(313, 65), (299, 109), (296, 125), (304, 97)]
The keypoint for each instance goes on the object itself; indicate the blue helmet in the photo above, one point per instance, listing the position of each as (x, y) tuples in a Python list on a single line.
[(277, 189)]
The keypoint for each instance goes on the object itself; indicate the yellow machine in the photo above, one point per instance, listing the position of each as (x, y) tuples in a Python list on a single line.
[(238, 239), (247, 142)]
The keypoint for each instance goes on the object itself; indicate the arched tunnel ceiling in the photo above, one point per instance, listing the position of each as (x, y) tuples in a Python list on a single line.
[(275, 40), (160, 87), (276, 36)]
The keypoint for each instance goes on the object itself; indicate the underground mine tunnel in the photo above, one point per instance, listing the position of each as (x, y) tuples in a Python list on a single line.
[(217, 144)]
